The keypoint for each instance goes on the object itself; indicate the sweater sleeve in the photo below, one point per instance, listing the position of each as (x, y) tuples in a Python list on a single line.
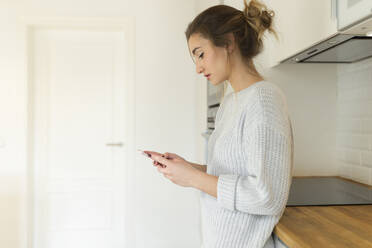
[(265, 192)]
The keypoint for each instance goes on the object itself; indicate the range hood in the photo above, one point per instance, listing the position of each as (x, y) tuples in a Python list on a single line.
[(346, 46)]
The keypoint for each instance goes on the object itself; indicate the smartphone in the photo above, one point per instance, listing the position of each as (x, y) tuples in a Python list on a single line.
[(144, 153), (148, 155)]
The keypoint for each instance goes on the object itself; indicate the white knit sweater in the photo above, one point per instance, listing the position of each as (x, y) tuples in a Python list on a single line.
[(251, 152)]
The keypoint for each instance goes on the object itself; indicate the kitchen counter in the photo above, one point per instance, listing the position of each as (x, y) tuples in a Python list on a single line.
[(326, 226)]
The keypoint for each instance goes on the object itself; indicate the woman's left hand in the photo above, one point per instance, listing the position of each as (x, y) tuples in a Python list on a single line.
[(177, 170)]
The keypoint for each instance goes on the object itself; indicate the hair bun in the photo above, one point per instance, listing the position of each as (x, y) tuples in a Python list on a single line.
[(258, 16)]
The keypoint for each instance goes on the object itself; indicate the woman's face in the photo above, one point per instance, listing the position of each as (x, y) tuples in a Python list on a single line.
[(209, 59)]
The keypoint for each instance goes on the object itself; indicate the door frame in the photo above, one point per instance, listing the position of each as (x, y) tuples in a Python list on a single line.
[(122, 24)]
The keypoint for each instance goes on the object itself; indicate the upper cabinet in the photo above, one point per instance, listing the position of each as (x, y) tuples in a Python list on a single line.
[(299, 24), (202, 5)]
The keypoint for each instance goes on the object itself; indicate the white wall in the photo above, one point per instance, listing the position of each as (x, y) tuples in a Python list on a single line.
[(311, 95), (354, 125), (166, 215)]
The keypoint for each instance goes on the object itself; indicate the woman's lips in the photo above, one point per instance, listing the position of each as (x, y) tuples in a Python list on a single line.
[(208, 76)]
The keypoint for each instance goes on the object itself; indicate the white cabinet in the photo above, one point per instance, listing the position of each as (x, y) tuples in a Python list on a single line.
[(299, 24), (202, 5), (350, 11)]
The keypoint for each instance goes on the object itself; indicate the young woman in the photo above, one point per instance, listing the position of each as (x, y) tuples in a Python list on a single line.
[(245, 184)]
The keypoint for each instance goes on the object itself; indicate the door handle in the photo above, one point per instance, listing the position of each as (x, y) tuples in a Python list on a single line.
[(115, 144)]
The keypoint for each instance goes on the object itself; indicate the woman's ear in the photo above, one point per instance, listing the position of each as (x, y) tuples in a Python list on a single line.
[(231, 43)]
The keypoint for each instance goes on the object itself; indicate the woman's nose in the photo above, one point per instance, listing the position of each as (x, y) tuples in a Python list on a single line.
[(199, 69)]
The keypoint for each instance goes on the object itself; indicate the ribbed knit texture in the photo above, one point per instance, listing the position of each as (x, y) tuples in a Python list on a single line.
[(251, 152)]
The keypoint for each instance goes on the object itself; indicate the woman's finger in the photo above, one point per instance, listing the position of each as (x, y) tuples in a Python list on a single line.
[(160, 159), (170, 155), (163, 169), (155, 163), (153, 153)]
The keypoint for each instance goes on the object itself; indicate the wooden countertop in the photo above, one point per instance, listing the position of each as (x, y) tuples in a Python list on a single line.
[(326, 226)]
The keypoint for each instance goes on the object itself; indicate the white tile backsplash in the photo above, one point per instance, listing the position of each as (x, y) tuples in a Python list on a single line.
[(352, 156), (354, 121), (361, 174), (349, 125), (367, 126), (359, 141), (366, 158), (345, 170)]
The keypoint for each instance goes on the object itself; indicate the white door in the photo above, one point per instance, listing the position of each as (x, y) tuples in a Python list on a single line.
[(78, 117)]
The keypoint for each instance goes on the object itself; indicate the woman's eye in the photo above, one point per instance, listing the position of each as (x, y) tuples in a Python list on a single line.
[(201, 55)]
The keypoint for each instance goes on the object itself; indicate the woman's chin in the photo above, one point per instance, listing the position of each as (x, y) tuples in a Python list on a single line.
[(215, 83)]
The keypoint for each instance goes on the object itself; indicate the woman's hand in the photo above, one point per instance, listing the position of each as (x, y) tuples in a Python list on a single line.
[(176, 168), (150, 154)]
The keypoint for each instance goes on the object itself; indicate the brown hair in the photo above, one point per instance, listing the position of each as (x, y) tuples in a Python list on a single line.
[(247, 26)]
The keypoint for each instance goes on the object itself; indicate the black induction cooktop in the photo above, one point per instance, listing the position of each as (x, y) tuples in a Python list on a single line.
[(327, 191)]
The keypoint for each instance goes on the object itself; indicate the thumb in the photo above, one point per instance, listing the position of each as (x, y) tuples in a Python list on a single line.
[(160, 159), (169, 155), (173, 156)]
